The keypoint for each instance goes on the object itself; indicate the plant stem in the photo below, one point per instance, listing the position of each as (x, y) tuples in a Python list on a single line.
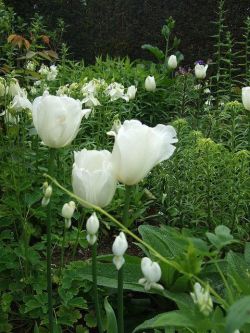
[(63, 248), (78, 236), (125, 219), (49, 277), (120, 301), (95, 287)]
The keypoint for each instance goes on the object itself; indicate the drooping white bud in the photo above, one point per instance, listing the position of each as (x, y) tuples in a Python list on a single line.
[(92, 227), (47, 192), (152, 274), (67, 212), (202, 298), (119, 247)]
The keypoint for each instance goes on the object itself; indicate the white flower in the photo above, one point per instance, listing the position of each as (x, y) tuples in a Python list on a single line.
[(115, 91), (20, 103), (131, 92), (200, 71), (92, 87), (37, 83), (172, 62), (31, 66), (202, 298), (62, 90), (57, 119), (152, 274), (47, 192), (52, 74), (3, 87), (93, 177), (67, 212), (246, 98), (92, 227), (119, 247), (150, 84), (14, 88), (138, 148), (44, 70), (33, 90), (90, 101)]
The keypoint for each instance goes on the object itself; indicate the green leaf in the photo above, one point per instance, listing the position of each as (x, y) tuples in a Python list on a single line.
[(111, 318), (36, 328), (221, 237), (168, 319), (154, 50), (238, 314)]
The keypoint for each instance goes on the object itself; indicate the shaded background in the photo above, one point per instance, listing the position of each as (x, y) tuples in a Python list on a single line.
[(120, 27)]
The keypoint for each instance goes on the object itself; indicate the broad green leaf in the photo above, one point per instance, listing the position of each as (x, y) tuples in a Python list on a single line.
[(221, 237), (111, 318), (238, 315), (154, 50), (168, 319)]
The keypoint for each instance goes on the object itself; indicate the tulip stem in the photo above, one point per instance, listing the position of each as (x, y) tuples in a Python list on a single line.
[(49, 275), (95, 287), (63, 248), (126, 221), (120, 301)]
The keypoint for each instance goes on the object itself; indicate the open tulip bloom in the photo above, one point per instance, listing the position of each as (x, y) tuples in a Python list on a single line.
[(138, 148), (57, 119), (93, 177)]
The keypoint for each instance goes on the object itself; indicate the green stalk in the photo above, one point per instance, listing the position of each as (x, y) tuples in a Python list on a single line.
[(95, 287), (80, 224), (49, 220), (120, 271), (63, 247)]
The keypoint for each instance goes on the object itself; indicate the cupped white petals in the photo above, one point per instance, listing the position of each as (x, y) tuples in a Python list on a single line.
[(92, 227), (131, 92), (19, 103), (14, 88), (57, 119), (93, 177), (172, 62), (200, 71), (138, 148), (246, 97), (68, 209), (119, 248), (150, 84), (152, 274)]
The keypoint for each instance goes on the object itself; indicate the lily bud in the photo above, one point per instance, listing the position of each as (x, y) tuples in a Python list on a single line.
[(119, 247), (172, 62), (150, 84), (152, 274), (246, 98), (92, 227)]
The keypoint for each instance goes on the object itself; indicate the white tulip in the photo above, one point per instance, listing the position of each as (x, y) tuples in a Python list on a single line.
[(92, 227), (152, 274), (202, 298), (93, 177), (131, 92), (246, 98), (150, 84), (138, 148), (200, 71), (57, 119), (20, 103), (14, 88), (119, 248), (172, 62)]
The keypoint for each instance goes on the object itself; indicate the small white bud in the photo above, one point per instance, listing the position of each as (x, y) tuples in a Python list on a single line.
[(68, 210), (152, 274), (47, 192), (172, 62), (119, 247), (202, 298), (92, 224)]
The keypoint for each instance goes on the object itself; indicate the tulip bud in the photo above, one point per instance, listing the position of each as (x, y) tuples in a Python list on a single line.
[(246, 98), (172, 62), (67, 212), (200, 71), (152, 274), (47, 192), (202, 298), (150, 84), (92, 227), (131, 92), (119, 247)]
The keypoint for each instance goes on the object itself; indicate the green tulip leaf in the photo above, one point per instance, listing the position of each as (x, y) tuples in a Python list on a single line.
[(238, 315), (111, 318)]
